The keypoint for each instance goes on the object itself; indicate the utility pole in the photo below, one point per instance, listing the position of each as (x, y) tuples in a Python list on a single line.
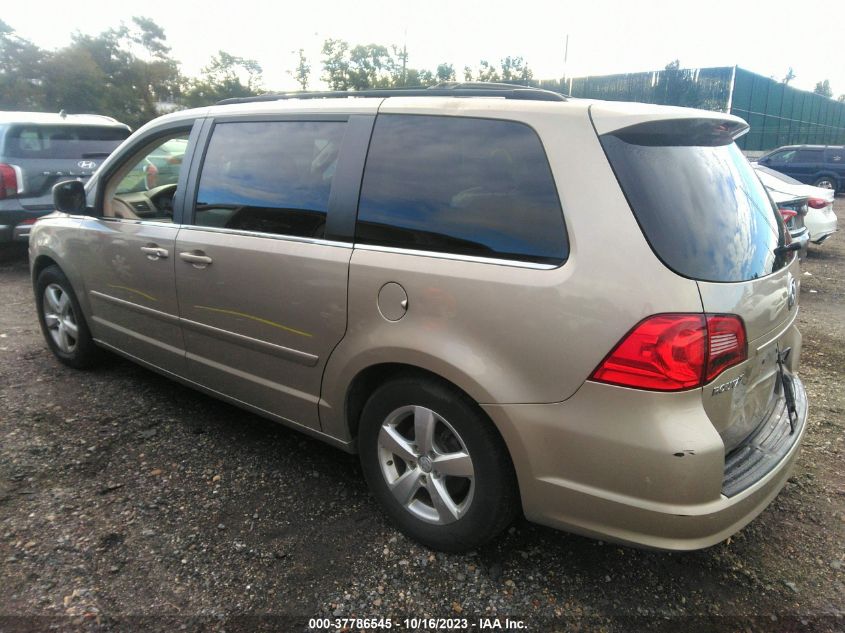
[(404, 56), (566, 58)]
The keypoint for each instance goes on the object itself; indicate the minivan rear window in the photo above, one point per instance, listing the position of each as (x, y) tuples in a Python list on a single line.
[(697, 200), (63, 141)]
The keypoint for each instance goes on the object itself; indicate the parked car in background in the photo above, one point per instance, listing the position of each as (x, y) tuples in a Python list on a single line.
[(793, 210), (818, 165), (391, 272), (37, 150), (820, 220)]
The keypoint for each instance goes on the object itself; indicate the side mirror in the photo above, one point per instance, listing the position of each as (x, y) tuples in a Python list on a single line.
[(69, 197)]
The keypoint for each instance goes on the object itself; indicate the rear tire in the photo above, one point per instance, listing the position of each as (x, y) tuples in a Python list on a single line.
[(62, 322), (826, 182), (436, 464)]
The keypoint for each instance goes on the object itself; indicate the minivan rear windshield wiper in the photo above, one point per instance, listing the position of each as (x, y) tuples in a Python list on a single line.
[(787, 248), (95, 154)]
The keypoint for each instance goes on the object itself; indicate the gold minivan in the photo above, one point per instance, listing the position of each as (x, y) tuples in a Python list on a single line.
[(505, 300)]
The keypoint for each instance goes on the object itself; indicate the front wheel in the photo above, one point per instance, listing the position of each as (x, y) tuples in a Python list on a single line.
[(436, 464), (62, 322), (826, 182)]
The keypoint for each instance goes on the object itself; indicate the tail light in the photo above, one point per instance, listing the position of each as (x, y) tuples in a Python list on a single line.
[(788, 214), (817, 203), (10, 181), (726, 344), (28, 221), (673, 352)]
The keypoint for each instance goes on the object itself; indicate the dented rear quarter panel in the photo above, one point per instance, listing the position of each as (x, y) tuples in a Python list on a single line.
[(506, 334)]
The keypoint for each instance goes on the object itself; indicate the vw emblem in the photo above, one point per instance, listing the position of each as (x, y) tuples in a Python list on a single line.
[(86, 164), (793, 293)]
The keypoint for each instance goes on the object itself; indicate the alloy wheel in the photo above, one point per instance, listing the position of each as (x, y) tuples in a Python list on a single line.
[(60, 318), (426, 465)]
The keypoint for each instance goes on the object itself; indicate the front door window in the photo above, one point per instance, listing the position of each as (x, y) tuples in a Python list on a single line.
[(144, 187)]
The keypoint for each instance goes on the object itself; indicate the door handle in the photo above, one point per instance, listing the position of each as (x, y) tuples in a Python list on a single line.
[(154, 253), (196, 258)]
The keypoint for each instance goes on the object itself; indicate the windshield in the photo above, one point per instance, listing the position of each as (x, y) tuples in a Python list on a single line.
[(63, 141), (699, 203)]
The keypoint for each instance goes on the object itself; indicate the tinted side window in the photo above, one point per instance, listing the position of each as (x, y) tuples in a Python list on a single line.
[(782, 157), (271, 177), (807, 156), (458, 185), (835, 156)]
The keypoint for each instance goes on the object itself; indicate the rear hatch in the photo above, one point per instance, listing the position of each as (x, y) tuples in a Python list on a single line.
[(708, 218), (47, 154)]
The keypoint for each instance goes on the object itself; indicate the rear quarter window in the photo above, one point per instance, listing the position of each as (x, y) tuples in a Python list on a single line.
[(835, 156), (459, 185)]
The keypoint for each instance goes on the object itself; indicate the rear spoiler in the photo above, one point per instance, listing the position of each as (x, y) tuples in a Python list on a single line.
[(645, 124), (676, 132)]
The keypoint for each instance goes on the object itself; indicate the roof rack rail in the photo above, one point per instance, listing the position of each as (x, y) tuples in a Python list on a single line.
[(446, 89)]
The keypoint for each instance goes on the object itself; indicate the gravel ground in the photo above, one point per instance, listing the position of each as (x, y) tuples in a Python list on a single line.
[(129, 502)]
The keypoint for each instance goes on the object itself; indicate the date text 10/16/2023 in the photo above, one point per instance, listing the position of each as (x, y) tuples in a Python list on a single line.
[(417, 624)]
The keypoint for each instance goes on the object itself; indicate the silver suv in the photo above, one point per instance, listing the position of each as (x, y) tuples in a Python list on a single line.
[(39, 149), (504, 300)]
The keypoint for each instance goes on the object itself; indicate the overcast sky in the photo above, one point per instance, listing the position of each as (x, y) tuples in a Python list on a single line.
[(605, 36)]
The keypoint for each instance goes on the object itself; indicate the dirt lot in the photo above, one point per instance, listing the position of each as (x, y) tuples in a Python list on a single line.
[(128, 501)]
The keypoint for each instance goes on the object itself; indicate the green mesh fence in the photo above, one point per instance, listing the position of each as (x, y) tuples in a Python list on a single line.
[(707, 88), (782, 115), (778, 114)]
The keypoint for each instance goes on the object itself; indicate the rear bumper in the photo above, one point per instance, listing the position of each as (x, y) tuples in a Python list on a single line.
[(12, 214), (633, 467), (821, 225), (764, 450)]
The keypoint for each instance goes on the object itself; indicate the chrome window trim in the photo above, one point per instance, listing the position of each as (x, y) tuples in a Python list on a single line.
[(514, 263), (139, 221), (272, 236)]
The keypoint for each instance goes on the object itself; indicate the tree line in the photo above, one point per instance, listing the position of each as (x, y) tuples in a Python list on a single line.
[(128, 71), (359, 67)]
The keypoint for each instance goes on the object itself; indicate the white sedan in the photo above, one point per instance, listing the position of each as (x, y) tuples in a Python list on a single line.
[(820, 218)]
